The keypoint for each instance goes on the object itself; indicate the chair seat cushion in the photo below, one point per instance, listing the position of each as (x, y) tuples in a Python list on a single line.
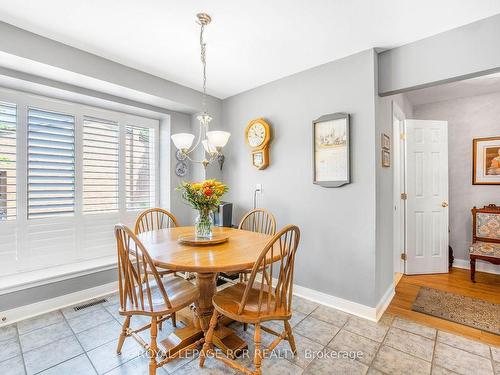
[(488, 249), (228, 300), (180, 292)]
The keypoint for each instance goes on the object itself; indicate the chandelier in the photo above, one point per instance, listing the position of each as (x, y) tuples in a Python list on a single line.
[(212, 140)]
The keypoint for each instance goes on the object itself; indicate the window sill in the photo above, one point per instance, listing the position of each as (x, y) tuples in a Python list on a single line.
[(30, 279)]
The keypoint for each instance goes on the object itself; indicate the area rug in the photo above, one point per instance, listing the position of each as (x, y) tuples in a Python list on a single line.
[(468, 311)]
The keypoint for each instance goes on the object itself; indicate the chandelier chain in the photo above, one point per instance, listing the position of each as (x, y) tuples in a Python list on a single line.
[(203, 47)]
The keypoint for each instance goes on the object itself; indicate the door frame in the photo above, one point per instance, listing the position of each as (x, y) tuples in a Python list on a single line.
[(399, 187)]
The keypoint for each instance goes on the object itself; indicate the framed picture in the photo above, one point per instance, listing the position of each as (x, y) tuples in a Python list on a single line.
[(486, 161), (386, 142), (386, 159), (331, 164)]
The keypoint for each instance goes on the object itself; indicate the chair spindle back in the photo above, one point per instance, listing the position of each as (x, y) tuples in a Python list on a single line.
[(154, 219), (278, 255), (134, 264), (259, 220)]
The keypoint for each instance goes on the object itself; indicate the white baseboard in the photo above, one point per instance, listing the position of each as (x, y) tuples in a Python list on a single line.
[(42, 307), (385, 301), (481, 266), (354, 308)]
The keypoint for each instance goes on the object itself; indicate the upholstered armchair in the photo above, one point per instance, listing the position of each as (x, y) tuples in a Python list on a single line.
[(485, 236)]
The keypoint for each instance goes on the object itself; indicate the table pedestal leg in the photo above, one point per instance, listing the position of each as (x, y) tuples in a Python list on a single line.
[(196, 324)]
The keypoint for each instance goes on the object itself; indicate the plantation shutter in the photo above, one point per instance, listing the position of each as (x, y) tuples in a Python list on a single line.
[(100, 165), (8, 122), (139, 185), (51, 163)]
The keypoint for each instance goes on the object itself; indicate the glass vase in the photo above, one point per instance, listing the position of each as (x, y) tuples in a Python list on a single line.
[(203, 224)]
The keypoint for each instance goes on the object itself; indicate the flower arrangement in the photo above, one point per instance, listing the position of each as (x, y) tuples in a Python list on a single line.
[(203, 197)]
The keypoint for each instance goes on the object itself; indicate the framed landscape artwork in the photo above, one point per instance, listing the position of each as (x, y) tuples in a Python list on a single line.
[(486, 161), (331, 150)]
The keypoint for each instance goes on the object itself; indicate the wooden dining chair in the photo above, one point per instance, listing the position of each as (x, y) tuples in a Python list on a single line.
[(154, 219), (257, 301), (259, 220), (151, 220), (153, 296)]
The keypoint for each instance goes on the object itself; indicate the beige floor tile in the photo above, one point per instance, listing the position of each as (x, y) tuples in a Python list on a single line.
[(40, 321), (13, 366), (43, 336), (305, 347), (316, 330), (8, 332), (374, 371), (495, 352), (303, 305), (497, 368), (410, 343), (463, 343), (413, 327), (92, 319), (460, 361), (348, 341), (336, 366), (373, 330), (438, 370), (76, 366), (333, 316), (50, 355), (10, 349), (395, 362)]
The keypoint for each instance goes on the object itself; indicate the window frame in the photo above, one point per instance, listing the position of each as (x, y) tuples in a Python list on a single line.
[(21, 224)]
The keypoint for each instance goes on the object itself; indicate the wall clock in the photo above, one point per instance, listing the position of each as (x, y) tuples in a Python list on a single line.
[(181, 169), (258, 137)]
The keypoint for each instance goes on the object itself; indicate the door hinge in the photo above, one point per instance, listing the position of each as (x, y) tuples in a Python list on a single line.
[(402, 136), (403, 256), (404, 196)]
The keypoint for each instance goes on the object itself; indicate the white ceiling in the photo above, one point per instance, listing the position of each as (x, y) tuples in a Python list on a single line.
[(483, 85), (250, 42)]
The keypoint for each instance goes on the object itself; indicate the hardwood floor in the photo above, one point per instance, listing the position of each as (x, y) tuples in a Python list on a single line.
[(487, 287)]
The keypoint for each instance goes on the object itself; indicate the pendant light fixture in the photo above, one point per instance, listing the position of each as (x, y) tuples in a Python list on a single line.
[(212, 141)]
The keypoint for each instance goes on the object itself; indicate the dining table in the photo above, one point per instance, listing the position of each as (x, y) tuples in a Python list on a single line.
[(238, 253)]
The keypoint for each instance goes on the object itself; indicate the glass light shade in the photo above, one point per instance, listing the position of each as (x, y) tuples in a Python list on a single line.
[(218, 138), (208, 147), (182, 141)]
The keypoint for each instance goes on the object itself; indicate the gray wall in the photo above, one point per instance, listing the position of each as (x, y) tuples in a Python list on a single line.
[(468, 118), (337, 251), (60, 288), (463, 52)]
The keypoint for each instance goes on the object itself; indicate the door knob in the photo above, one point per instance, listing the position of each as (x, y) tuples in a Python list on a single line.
[(444, 204)]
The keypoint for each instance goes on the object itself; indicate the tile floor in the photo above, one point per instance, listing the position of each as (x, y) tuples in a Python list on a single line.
[(66, 342)]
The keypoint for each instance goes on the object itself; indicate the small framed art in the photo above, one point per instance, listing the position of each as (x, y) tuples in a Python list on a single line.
[(386, 159), (486, 161), (385, 142), (331, 150)]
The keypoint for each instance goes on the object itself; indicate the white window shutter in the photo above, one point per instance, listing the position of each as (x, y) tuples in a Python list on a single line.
[(51, 164), (100, 165), (8, 125), (139, 175)]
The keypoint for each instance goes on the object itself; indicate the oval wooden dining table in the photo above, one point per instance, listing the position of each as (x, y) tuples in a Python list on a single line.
[(240, 252)]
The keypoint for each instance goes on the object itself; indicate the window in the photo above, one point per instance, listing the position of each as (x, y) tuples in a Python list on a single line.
[(51, 163), (138, 162), (8, 122), (100, 166), (68, 174)]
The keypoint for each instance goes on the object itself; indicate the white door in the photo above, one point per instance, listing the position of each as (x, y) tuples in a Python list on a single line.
[(427, 196)]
